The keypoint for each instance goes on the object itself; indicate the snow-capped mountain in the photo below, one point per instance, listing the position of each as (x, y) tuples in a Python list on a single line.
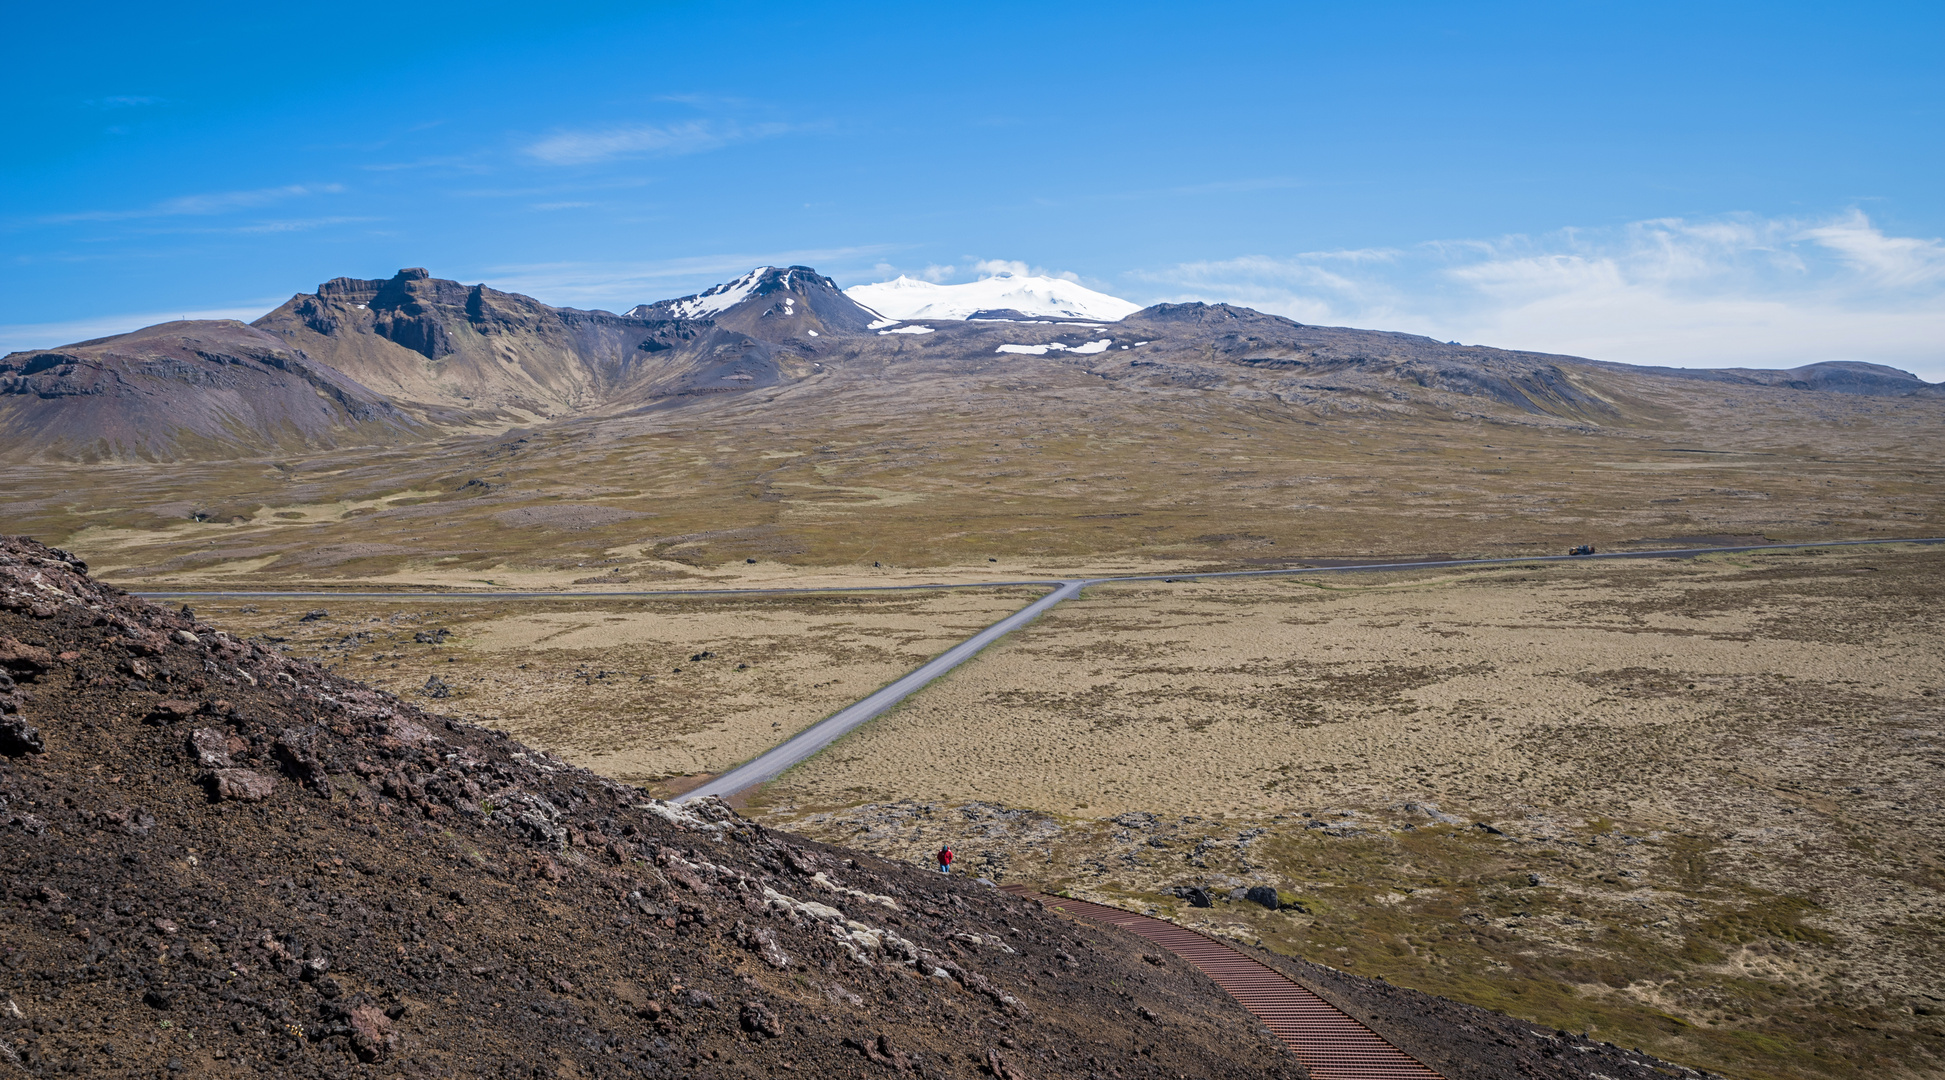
[(771, 303), (1004, 295), (712, 301)]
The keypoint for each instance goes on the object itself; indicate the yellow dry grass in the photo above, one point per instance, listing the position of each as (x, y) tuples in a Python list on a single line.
[(617, 685), (1711, 782)]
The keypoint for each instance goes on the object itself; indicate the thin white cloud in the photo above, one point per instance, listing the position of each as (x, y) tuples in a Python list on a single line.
[(453, 163), (986, 268), (617, 286), (1897, 261), (1734, 291), (126, 101), (298, 224), (645, 140), (18, 336), (215, 202)]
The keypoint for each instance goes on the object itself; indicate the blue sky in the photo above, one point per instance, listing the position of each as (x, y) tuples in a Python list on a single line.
[(1694, 184)]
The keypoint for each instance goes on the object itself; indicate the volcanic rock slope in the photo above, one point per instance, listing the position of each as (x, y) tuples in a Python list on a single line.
[(371, 361), (220, 862), (187, 389), (504, 356)]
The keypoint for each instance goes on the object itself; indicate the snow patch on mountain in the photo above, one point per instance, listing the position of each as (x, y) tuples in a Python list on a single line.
[(910, 299), (1085, 349), (715, 301)]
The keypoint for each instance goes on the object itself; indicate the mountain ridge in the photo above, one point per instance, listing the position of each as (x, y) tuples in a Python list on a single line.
[(412, 357)]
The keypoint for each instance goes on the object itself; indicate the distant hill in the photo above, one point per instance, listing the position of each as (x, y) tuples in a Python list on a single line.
[(188, 389), (384, 360)]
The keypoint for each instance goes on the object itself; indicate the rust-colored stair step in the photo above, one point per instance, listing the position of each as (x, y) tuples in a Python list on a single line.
[(1330, 1043)]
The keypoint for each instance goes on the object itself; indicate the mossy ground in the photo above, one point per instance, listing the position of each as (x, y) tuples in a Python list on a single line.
[(1709, 781), (1041, 478)]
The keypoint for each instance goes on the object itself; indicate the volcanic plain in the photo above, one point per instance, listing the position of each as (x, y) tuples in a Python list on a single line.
[(1690, 805)]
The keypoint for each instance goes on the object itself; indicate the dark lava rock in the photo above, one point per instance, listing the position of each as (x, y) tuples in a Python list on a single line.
[(760, 1021), (171, 710), (1264, 895), (18, 737)]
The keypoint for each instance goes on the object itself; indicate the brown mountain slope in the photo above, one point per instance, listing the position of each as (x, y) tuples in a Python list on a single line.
[(457, 358), (426, 340), (220, 862), (429, 341), (187, 389)]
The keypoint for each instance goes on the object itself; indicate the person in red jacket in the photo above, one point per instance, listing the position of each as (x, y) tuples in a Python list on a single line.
[(945, 860)]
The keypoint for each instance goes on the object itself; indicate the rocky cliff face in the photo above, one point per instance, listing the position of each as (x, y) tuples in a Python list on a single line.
[(478, 352), (472, 350)]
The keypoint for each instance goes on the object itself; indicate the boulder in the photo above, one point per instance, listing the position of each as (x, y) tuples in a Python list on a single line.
[(1264, 895), (18, 737), (371, 1032), (759, 1021), (241, 785), (211, 747), (171, 710), (24, 659)]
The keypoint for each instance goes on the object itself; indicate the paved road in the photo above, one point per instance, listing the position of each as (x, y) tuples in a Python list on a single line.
[(576, 594), (771, 763), (1412, 564), (767, 765)]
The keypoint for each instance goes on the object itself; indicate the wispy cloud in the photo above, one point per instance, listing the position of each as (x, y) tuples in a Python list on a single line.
[(289, 225), (646, 140), (1738, 290), (986, 268), (449, 163), (972, 267), (1895, 261), (620, 285), (18, 336), (126, 101), (216, 202)]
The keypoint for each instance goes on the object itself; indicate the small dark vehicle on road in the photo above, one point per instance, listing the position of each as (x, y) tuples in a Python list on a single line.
[(1582, 549)]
